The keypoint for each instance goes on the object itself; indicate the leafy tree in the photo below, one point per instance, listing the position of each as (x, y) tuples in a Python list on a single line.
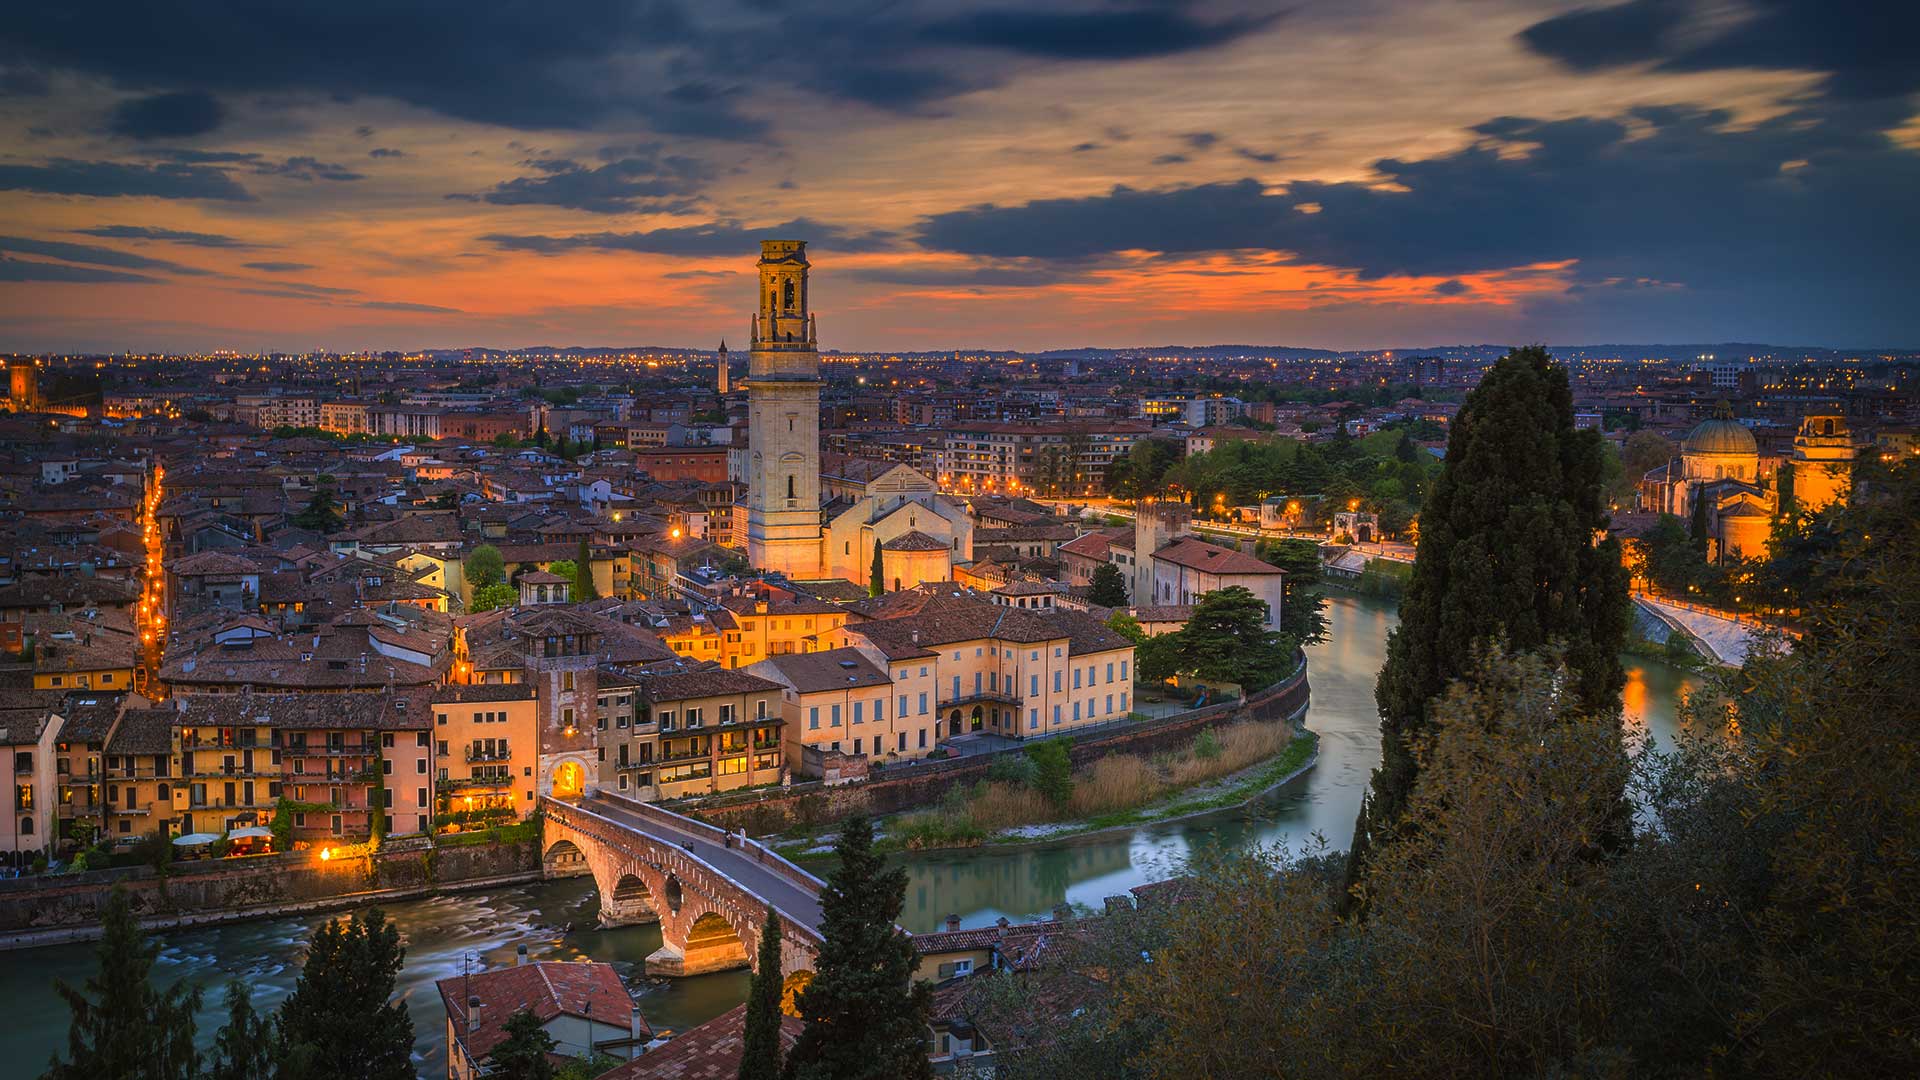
[(565, 568), (341, 1020), (865, 1017), (318, 515), (1227, 639), (583, 587), (1109, 587), (1157, 659), (760, 1041), (1120, 622), (1303, 608), (1506, 553), (1052, 771), (1644, 452), (522, 1055), (506, 440), (484, 566), (488, 597), (121, 1025), (877, 575), (244, 1047)]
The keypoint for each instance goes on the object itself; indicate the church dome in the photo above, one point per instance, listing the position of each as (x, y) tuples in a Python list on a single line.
[(1721, 435)]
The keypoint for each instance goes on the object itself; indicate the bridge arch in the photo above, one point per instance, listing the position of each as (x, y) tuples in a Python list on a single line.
[(710, 892)]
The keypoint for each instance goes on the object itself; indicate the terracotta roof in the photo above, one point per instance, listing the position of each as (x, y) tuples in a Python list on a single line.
[(547, 989), (1212, 558), (708, 1052), (832, 669), (143, 731), (914, 540), (706, 680), (1094, 545)]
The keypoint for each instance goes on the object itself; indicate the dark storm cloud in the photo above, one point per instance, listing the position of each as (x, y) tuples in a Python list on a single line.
[(92, 254), (987, 276), (1866, 48), (106, 179), (172, 236), (16, 270), (279, 267), (167, 116), (724, 238), (307, 168), (1807, 207), (650, 180), (385, 152), (1452, 287), (1100, 34), (518, 65), (599, 62)]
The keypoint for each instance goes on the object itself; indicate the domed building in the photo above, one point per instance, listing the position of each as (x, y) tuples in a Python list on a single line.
[(1718, 467)]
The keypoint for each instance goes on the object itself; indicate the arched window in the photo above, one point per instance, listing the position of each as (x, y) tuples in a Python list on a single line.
[(789, 294), (790, 493)]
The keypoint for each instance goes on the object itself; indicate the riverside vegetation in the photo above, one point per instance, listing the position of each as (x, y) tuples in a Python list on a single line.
[(1041, 789)]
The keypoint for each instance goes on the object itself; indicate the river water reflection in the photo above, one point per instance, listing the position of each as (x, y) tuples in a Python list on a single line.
[(556, 920)]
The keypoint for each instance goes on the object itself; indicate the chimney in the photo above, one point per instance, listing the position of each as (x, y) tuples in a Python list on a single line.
[(636, 1026), (953, 923), (520, 956), (474, 1009)]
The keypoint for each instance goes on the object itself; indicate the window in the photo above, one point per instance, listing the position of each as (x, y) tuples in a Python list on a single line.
[(879, 708), (903, 706), (923, 703), (1033, 719), (1123, 670), (1109, 671), (1109, 702), (693, 718), (923, 738), (420, 766), (858, 708), (835, 722), (813, 717), (566, 680), (1076, 678), (1056, 714), (726, 714), (1056, 680), (1076, 710), (903, 742)]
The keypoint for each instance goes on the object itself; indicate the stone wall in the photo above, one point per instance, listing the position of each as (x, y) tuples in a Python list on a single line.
[(920, 786), (211, 891)]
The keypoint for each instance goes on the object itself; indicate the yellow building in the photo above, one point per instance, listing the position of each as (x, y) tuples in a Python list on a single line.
[(140, 773), (486, 751), (1823, 453), (696, 730), (841, 700)]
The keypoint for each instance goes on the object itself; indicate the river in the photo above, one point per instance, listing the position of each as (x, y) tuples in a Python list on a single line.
[(555, 920)]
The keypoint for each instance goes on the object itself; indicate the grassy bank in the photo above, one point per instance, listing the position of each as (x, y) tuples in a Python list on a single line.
[(1220, 768)]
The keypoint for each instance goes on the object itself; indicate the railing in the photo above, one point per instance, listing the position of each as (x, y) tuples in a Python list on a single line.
[(357, 750), (483, 754)]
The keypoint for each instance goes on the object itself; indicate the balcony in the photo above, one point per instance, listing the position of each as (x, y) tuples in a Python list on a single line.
[(701, 754), (477, 753), (468, 783), (355, 750)]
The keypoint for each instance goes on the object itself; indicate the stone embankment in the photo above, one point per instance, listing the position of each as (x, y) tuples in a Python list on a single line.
[(48, 910)]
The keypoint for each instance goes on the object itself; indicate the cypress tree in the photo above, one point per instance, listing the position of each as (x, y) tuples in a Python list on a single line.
[(1108, 587), (243, 1049), (866, 1018), (760, 1042), (1506, 553), (583, 586), (522, 1055), (342, 1020), (877, 581), (122, 1026)]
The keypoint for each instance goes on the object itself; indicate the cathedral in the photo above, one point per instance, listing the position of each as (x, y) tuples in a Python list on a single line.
[(807, 522), (1719, 470)]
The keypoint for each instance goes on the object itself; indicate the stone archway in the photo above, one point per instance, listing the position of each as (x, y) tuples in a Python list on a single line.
[(712, 945), (569, 780), (630, 902), (674, 894), (564, 859)]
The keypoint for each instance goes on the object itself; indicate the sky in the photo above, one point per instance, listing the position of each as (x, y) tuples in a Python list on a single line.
[(292, 175)]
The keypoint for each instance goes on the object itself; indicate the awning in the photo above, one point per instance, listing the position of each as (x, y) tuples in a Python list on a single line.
[(194, 839), (249, 833)]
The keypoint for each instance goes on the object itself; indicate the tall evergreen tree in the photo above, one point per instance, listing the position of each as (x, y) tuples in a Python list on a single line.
[(583, 586), (877, 580), (122, 1027), (243, 1049), (866, 1018), (342, 1022), (1108, 587), (1506, 552), (760, 1042)]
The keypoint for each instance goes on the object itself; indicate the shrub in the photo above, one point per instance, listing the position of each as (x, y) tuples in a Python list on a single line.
[(1052, 771), (1207, 746), (1011, 769)]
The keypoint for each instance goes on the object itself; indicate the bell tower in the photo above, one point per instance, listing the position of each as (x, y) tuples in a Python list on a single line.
[(722, 373), (783, 419)]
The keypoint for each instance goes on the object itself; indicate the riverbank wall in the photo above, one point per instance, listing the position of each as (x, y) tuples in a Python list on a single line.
[(34, 910), (922, 784)]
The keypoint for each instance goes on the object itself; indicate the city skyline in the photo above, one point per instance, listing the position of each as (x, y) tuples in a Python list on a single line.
[(1091, 176)]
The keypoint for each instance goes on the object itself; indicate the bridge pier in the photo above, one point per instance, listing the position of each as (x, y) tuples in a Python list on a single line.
[(711, 945)]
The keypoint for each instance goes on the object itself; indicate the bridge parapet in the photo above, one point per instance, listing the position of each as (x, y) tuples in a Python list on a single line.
[(753, 849)]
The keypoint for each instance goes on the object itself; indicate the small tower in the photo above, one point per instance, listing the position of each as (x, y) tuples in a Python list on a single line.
[(722, 377), (1157, 522)]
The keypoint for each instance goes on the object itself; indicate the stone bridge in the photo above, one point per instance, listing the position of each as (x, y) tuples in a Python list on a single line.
[(709, 892)]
